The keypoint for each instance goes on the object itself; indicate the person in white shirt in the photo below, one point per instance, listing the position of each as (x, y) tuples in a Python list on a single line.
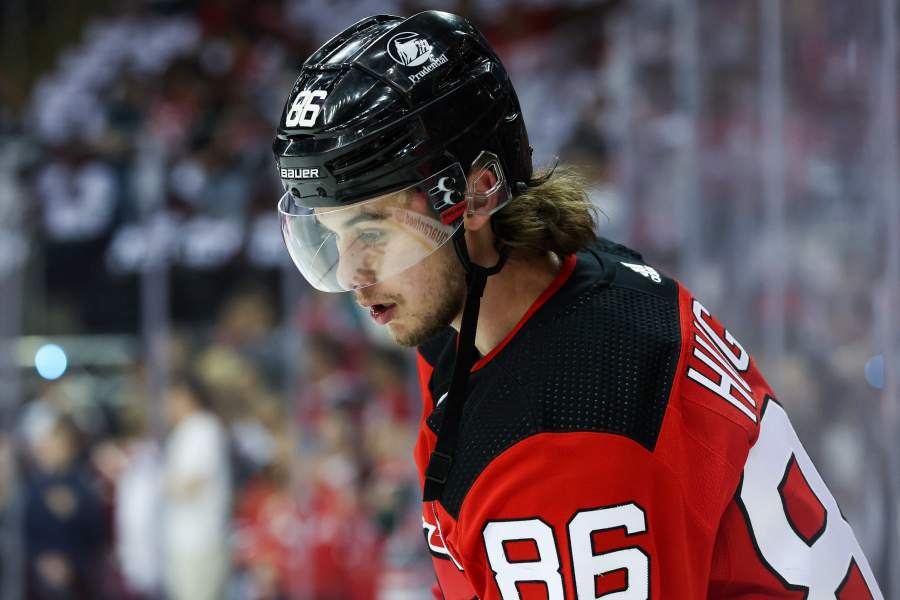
[(197, 496), (138, 501)]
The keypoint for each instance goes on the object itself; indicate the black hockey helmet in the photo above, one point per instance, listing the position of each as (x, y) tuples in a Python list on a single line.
[(385, 122)]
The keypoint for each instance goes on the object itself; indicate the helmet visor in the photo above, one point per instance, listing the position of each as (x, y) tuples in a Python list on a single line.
[(350, 247)]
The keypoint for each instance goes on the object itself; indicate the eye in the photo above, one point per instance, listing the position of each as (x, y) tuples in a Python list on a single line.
[(370, 236)]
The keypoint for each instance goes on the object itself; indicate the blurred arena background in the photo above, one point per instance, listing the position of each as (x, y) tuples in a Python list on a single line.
[(747, 147)]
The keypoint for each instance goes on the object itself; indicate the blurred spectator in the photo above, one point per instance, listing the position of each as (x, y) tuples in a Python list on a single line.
[(196, 506), (331, 381), (389, 478), (269, 526), (64, 526), (247, 324), (342, 541), (388, 376), (138, 503), (78, 196)]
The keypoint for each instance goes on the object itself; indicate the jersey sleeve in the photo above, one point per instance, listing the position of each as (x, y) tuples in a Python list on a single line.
[(782, 535), (580, 515)]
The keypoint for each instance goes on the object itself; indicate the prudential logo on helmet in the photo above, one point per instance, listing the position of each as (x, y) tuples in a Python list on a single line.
[(409, 49)]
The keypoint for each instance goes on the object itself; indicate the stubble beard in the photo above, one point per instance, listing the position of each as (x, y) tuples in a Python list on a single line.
[(447, 291)]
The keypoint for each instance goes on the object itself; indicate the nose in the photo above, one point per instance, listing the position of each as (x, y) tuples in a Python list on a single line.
[(362, 278), (367, 297), (353, 272)]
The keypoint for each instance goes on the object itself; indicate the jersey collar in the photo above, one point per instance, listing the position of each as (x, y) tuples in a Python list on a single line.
[(565, 272)]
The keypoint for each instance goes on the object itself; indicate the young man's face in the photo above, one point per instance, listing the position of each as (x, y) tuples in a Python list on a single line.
[(421, 301), (377, 242)]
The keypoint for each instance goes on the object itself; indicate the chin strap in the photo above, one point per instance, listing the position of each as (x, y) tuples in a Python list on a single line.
[(444, 450)]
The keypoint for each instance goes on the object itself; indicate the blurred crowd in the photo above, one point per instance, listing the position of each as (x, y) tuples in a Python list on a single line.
[(279, 462), (801, 281), (227, 489)]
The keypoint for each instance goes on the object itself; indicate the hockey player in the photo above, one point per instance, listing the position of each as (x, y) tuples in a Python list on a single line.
[(590, 429)]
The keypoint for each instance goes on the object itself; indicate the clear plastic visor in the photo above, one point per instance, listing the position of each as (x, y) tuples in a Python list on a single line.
[(347, 248)]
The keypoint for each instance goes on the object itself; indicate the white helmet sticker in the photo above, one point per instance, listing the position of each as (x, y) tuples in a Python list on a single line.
[(409, 49)]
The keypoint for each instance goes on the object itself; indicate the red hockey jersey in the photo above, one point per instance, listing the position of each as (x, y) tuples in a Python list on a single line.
[(621, 444)]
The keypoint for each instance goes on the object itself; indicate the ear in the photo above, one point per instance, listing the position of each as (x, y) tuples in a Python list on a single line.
[(479, 210)]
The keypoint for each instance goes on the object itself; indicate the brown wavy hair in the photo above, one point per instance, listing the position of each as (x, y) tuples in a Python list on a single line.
[(554, 214)]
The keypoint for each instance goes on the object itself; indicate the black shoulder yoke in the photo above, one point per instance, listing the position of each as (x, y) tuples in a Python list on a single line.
[(600, 355)]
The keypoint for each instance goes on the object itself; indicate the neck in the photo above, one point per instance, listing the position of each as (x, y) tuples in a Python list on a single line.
[(508, 296)]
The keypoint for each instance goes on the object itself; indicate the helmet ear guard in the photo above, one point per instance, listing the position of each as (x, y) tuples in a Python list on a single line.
[(488, 190)]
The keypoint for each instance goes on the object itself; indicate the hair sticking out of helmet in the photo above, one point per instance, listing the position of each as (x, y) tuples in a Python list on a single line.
[(554, 214)]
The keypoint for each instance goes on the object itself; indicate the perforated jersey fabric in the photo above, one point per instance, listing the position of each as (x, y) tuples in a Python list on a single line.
[(598, 356)]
